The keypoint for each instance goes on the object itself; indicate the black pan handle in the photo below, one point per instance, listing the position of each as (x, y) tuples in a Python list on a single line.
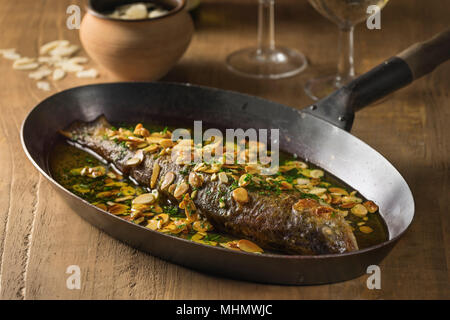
[(418, 60)]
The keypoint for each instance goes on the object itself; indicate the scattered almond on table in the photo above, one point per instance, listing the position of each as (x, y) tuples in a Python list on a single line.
[(55, 60)]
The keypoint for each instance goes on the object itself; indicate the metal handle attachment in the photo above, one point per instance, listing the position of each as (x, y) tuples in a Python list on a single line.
[(418, 60)]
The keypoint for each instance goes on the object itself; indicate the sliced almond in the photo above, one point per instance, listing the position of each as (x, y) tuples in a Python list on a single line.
[(284, 185), (43, 85), (195, 180), (91, 73), (46, 48), (359, 210), (155, 175), (180, 190), (145, 198), (40, 74), (245, 180), (365, 229), (64, 51), (248, 246), (240, 195), (58, 74), (169, 177), (25, 64), (137, 159), (316, 173), (338, 191), (223, 177), (370, 206)]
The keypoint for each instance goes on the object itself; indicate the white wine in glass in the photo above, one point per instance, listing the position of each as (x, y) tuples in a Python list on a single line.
[(345, 14), (266, 60)]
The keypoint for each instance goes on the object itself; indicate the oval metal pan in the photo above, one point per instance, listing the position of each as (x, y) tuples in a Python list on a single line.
[(316, 140)]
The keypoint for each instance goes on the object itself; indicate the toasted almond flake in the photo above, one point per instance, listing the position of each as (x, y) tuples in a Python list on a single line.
[(123, 199), (169, 177), (180, 190), (145, 198), (240, 195), (338, 191), (302, 181), (118, 208), (91, 73), (58, 74), (365, 229), (230, 245), (252, 169), (351, 199), (370, 206), (164, 217), (316, 173), (101, 206), (43, 85), (244, 180), (197, 236), (359, 210), (223, 177), (137, 159), (128, 191), (201, 226), (155, 175), (348, 205), (172, 188), (166, 143), (152, 224), (195, 179), (213, 177), (284, 185), (248, 246), (317, 191), (151, 148)]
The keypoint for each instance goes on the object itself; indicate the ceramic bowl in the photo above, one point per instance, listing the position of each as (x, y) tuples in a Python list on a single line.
[(144, 49)]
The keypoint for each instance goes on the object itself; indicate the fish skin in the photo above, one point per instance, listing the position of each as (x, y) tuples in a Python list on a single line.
[(285, 222)]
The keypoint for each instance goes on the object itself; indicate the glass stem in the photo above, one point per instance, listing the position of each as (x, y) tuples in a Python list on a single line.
[(266, 26), (346, 69)]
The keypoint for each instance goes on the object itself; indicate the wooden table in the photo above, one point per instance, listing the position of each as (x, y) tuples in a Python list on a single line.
[(40, 236)]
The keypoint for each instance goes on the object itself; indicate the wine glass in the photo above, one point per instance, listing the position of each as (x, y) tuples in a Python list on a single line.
[(346, 14), (266, 60)]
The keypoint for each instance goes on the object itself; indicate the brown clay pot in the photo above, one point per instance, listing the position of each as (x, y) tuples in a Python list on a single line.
[(143, 49)]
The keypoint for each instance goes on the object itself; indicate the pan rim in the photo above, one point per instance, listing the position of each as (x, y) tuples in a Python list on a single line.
[(261, 256)]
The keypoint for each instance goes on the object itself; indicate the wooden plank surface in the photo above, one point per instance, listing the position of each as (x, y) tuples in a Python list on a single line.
[(40, 236)]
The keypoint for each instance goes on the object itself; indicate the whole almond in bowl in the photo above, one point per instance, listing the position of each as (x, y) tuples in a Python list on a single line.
[(139, 40)]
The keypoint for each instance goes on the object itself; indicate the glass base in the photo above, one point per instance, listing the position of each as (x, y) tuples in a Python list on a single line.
[(318, 88), (267, 64)]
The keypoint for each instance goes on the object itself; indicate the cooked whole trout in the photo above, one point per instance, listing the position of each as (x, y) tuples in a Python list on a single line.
[(284, 221)]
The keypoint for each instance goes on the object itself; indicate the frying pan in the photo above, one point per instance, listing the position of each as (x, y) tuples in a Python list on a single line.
[(318, 133)]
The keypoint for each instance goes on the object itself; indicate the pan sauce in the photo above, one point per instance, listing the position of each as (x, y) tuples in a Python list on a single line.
[(97, 182)]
